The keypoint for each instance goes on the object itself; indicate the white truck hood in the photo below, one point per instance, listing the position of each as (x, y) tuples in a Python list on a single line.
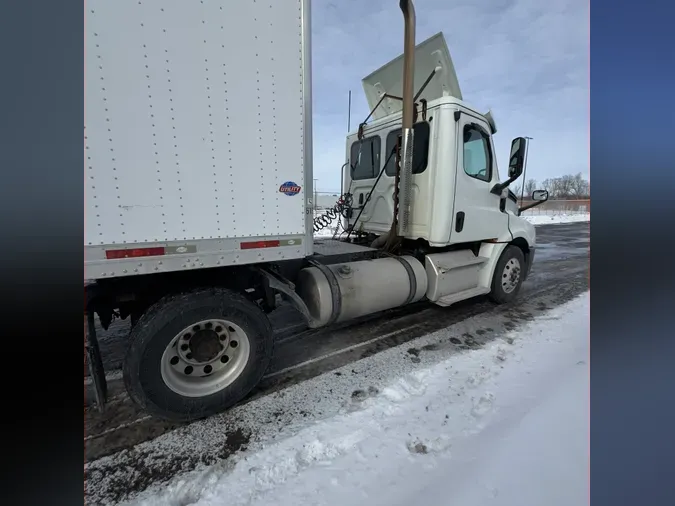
[(429, 54)]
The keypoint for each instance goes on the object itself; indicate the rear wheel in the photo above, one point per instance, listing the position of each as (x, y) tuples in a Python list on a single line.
[(508, 276), (198, 353)]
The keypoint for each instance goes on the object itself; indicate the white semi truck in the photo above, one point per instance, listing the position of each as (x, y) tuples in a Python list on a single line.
[(198, 199)]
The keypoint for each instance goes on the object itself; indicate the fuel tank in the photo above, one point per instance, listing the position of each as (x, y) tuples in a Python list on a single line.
[(340, 292)]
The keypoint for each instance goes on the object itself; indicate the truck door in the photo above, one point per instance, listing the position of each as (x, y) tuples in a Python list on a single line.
[(365, 164), (476, 214)]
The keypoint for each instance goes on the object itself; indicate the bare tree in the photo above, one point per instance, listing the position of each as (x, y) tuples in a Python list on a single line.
[(580, 187), (549, 186), (566, 187), (530, 186)]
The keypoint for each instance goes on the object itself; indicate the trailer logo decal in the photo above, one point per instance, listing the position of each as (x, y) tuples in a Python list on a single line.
[(290, 188)]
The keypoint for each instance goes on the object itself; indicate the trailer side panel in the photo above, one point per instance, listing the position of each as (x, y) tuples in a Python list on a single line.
[(197, 134)]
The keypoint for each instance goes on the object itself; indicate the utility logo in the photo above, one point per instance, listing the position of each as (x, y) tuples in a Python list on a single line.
[(290, 188)]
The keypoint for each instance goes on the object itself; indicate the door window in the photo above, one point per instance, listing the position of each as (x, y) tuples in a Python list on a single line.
[(421, 132), (477, 155), (365, 158)]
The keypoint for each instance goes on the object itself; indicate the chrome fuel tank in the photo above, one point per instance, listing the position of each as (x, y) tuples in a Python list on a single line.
[(340, 292)]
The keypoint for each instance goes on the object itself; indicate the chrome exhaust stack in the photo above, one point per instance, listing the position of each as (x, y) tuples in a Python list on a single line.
[(405, 183), (408, 61), (405, 178), (401, 223)]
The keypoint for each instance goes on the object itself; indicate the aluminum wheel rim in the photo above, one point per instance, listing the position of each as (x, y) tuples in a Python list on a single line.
[(205, 358), (511, 275)]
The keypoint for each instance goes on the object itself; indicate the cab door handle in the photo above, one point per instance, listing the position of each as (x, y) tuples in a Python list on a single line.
[(459, 221)]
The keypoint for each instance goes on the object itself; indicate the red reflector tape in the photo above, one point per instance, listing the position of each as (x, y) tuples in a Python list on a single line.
[(114, 254), (260, 244)]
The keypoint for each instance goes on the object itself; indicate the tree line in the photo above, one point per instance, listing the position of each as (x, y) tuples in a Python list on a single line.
[(568, 187)]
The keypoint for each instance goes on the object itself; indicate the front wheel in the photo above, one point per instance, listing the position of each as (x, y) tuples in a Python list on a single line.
[(198, 353), (508, 276)]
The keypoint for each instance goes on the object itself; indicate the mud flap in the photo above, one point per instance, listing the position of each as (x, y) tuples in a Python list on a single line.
[(95, 363)]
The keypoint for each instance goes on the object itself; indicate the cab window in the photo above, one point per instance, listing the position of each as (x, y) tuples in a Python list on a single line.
[(364, 158), (421, 132), (477, 154)]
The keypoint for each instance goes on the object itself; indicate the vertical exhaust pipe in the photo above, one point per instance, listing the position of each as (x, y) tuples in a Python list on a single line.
[(400, 225), (408, 60), (405, 181)]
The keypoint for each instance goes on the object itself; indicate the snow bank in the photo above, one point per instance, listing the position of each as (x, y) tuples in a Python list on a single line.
[(503, 424)]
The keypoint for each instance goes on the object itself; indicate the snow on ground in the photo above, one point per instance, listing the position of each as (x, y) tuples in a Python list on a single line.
[(506, 424), (550, 219), (557, 217)]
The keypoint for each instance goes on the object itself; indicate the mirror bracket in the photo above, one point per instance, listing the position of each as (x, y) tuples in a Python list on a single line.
[(498, 188)]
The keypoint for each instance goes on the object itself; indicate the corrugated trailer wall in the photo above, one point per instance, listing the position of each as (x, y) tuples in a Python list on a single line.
[(197, 132)]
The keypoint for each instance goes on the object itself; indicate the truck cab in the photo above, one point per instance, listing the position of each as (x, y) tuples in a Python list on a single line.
[(455, 170)]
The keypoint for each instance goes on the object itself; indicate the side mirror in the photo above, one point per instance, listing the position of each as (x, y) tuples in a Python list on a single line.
[(516, 164), (517, 157), (540, 195)]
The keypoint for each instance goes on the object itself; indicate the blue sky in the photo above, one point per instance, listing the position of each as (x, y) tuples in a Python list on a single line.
[(527, 60)]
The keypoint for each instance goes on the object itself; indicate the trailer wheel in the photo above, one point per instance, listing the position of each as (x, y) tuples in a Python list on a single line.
[(197, 353), (508, 276)]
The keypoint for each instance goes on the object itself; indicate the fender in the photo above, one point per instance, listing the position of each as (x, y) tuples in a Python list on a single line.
[(494, 249), (522, 229)]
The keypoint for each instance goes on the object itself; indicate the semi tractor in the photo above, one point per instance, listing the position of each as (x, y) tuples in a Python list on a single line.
[(199, 211)]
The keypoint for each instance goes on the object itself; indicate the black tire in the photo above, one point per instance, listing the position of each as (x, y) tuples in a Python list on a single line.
[(498, 293), (157, 327), (133, 319)]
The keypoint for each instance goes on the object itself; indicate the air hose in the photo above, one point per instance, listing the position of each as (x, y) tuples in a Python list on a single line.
[(330, 215)]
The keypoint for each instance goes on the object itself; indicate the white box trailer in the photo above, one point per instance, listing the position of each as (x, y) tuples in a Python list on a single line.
[(198, 134), (199, 213)]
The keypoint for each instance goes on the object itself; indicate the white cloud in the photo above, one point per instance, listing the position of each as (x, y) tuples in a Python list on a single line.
[(527, 60)]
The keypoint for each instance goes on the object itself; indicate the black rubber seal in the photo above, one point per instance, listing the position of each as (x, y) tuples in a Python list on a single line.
[(411, 276)]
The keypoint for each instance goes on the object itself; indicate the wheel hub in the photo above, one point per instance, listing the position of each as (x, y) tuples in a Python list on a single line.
[(205, 357), (511, 275), (205, 346)]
